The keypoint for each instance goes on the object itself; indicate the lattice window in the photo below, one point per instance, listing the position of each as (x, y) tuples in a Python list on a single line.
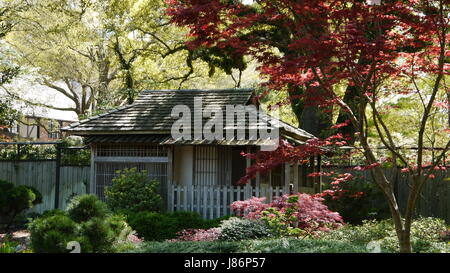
[(130, 150), (206, 167), (106, 171)]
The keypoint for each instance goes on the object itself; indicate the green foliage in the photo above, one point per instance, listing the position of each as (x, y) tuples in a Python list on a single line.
[(7, 113), (84, 207), (79, 157), (154, 226), (28, 152), (282, 223), (425, 234), (214, 223), (237, 229), (51, 234), (16, 199), (98, 233), (7, 245), (86, 221), (370, 205), (254, 246), (133, 191)]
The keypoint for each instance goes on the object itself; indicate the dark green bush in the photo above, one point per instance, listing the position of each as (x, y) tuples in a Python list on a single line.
[(119, 226), (153, 226), (87, 222), (161, 226), (98, 233), (187, 219), (84, 207), (237, 229), (133, 191), (16, 199), (51, 234), (214, 223)]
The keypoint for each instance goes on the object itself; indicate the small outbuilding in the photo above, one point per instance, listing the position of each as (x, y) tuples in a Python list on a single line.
[(194, 174)]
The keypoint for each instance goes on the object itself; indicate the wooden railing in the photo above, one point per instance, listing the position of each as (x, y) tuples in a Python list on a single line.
[(214, 201)]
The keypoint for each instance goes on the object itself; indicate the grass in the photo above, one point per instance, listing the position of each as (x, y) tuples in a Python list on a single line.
[(254, 246)]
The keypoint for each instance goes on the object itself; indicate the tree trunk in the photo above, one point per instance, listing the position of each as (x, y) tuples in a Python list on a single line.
[(351, 98), (311, 118), (404, 240)]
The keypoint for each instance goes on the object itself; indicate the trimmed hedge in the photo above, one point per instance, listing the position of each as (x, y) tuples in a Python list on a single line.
[(153, 226)]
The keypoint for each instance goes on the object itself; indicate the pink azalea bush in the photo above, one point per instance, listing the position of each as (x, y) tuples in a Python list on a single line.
[(197, 235), (301, 211)]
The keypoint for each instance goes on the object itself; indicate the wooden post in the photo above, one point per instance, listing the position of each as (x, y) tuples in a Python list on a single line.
[(91, 189), (287, 177), (57, 173), (248, 163), (18, 152), (318, 187), (296, 178)]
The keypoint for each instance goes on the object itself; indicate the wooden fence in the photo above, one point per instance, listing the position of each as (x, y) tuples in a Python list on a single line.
[(42, 175), (214, 201), (434, 200)]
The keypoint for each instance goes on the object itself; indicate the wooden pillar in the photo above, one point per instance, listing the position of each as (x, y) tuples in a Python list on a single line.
[(57, 173), (318, 187), (248, 163), (296, 178), (287, 177), (170, 152), (91, 189), (258, 180)]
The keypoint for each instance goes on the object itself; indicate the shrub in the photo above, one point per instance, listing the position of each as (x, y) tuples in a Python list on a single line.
[(290, 214), (86, 221), (119, 226), (16, 199), (153, 226), (236, 229), (98, 233), (84, 207), (188, 220), (215, 222), (133, 191), (51, 234)]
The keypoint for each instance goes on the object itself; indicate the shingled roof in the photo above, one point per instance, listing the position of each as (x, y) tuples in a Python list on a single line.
[(151, 113)]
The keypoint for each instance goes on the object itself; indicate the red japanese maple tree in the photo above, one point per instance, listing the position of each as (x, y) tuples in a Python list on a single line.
[(311, 47)]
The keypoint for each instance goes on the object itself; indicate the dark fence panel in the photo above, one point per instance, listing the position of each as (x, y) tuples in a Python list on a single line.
[(434, 200)]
